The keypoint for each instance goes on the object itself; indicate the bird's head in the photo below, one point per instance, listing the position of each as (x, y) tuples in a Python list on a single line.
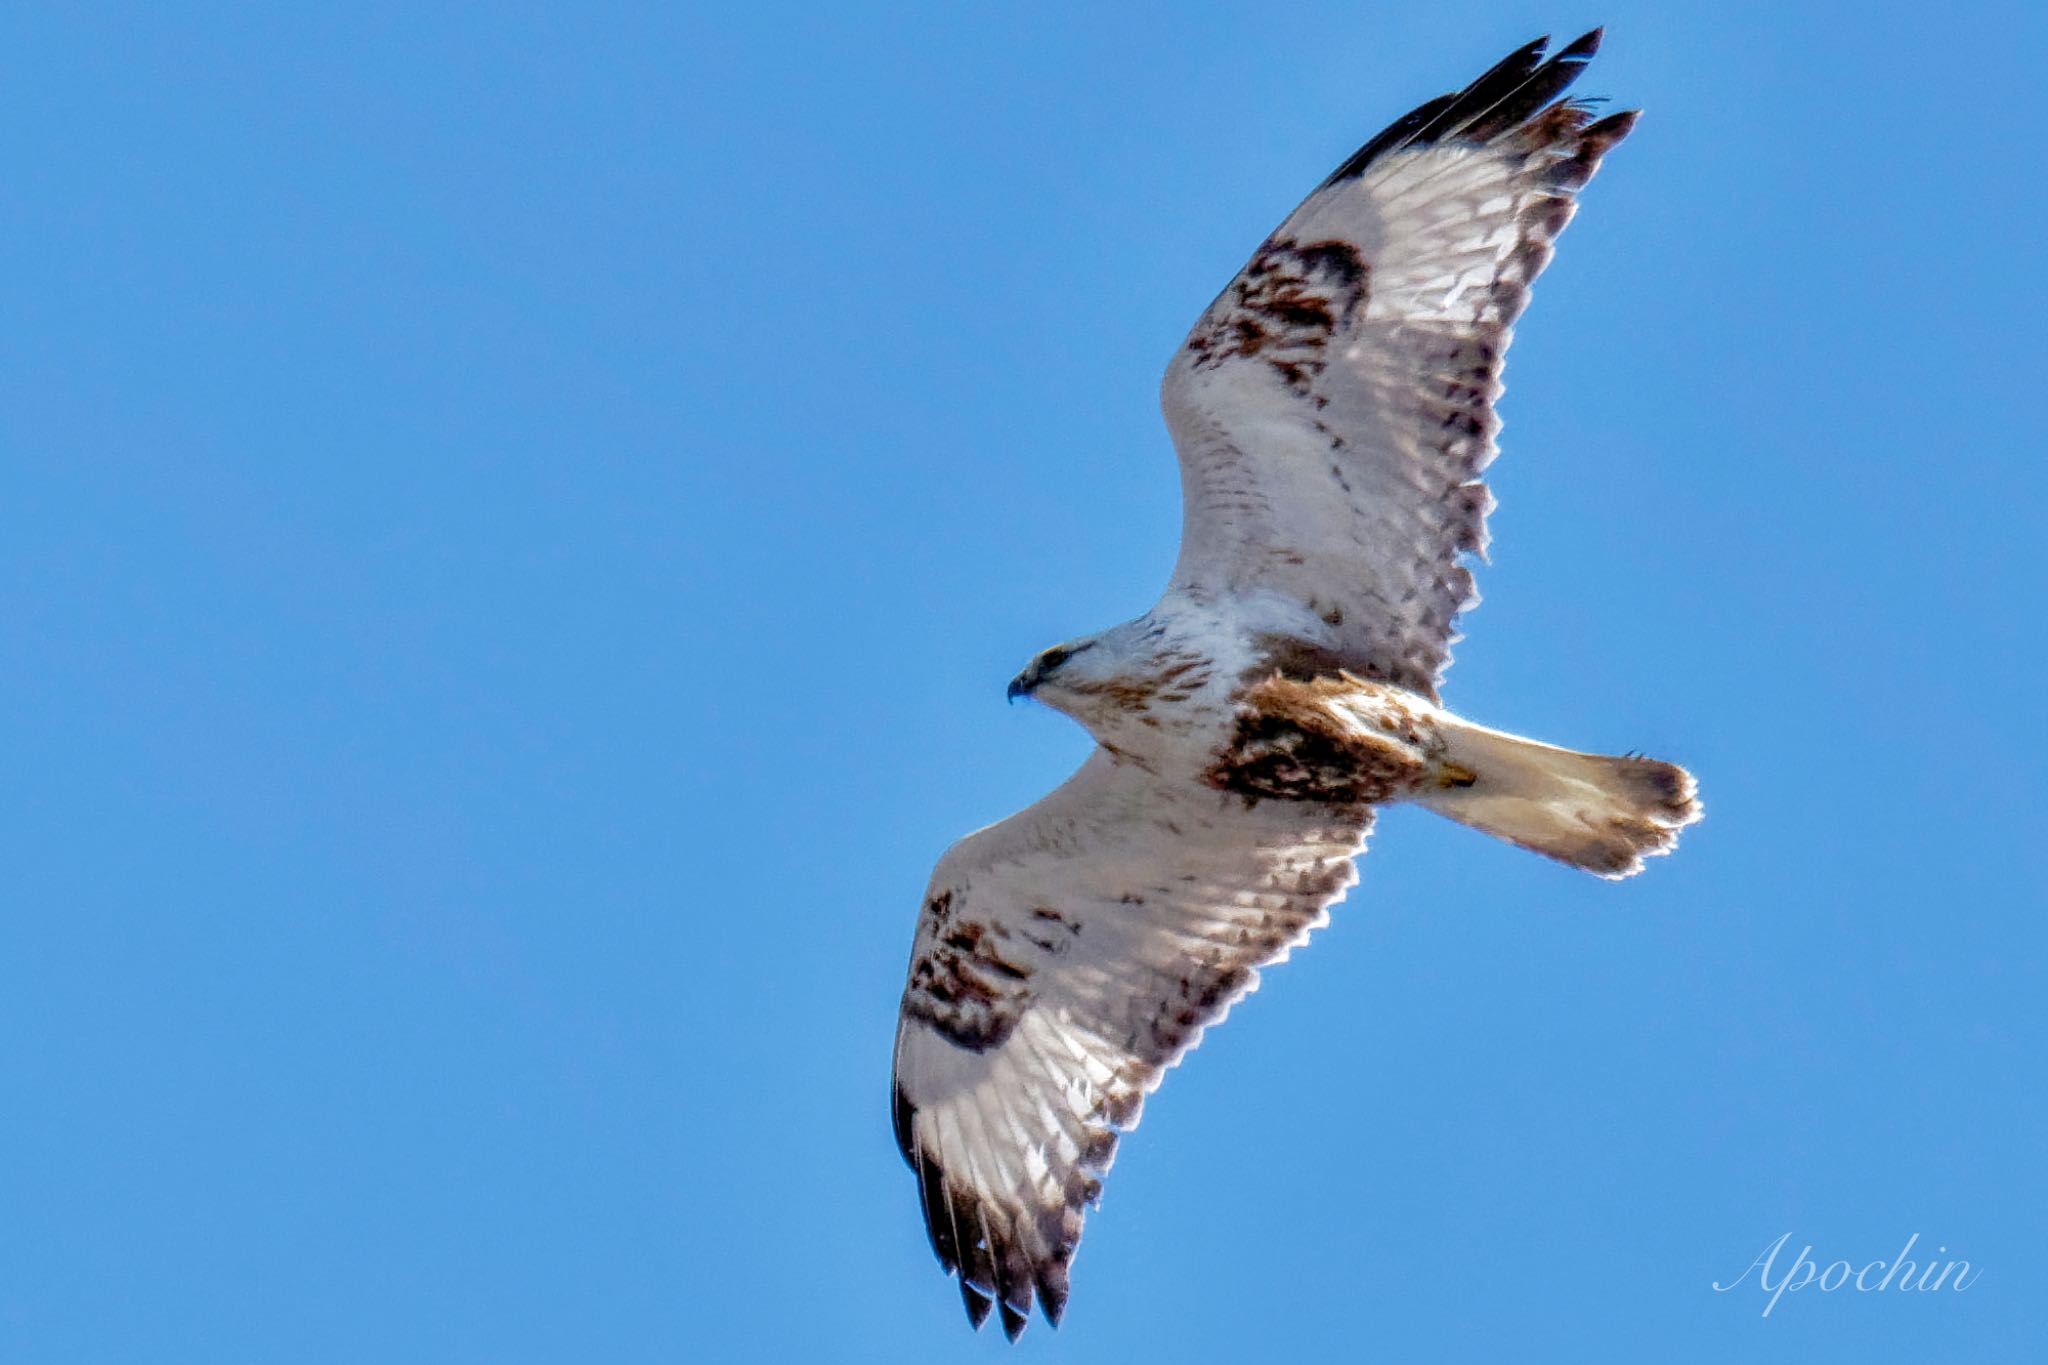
[(1055, 670), (1106, 681)]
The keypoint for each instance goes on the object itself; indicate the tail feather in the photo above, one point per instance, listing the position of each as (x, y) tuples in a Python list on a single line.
[(1596, 812)]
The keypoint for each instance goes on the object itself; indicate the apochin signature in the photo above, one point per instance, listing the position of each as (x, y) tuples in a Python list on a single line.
[(1898, 1273)]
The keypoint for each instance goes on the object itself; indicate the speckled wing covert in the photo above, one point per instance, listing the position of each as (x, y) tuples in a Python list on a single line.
[(1065, 958), (1333, 408)]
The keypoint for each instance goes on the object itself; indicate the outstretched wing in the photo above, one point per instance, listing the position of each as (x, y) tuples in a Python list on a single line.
[(1333, 408), (1065, 958)]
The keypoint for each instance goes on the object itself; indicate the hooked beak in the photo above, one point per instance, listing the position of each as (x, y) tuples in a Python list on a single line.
[(1020, 686)]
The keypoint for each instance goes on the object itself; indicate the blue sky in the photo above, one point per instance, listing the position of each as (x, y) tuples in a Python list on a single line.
[(514, 524)]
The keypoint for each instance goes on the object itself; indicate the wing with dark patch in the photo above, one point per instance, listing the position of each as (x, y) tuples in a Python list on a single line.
[(1334, 407), (1066, 957)]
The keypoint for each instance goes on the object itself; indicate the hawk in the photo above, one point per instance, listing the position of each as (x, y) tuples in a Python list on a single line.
[(1333, 411)]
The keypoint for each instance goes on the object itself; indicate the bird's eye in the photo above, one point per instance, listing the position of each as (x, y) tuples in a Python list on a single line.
[(1054, 657)]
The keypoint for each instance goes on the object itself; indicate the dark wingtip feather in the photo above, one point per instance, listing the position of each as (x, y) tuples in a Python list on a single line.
[(1492, 107), (938, 1216), (1052, 1291), (1504, 77), (987, 1261), (1414, 125), (1521, 60), (977, 1303), (1589, 145), (1508, 94), (1610, 130), (1395, 134), (903, 1111)]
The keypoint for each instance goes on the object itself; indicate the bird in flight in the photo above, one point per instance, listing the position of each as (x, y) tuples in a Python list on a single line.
[(1333, 411)]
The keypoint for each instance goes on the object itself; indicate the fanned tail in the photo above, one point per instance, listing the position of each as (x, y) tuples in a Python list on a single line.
[(1596, 812)]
